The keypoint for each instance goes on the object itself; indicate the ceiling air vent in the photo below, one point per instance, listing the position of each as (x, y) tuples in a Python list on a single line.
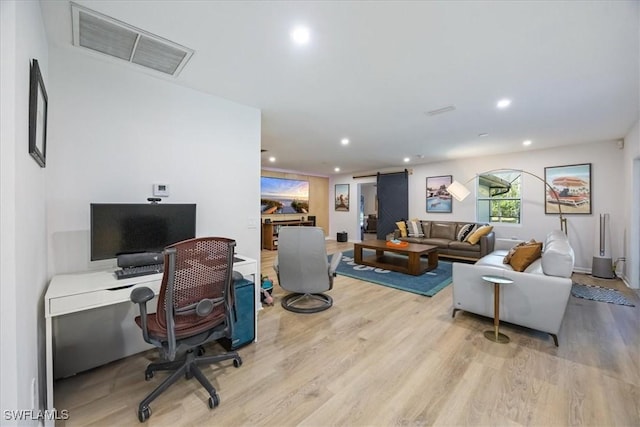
[(442, 110), (98, 32)]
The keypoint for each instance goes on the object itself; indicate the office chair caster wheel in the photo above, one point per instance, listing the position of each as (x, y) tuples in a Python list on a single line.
[(237, 362), (200, 350), (144, 414), (214, 400), (148, 375)]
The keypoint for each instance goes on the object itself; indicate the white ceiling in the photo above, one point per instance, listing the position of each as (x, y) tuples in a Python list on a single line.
[(374, 68)]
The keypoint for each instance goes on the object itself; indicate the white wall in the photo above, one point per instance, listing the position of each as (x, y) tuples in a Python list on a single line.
[(631, 270), (23, 253), (606, 159), (116, 131)]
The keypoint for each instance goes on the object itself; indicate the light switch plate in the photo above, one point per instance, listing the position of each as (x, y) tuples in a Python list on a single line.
[(161, 190)]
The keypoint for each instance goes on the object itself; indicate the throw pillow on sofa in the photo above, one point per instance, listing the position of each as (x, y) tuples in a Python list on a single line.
[(524, 256), (512, 251), (402, 226), (481, 231), (414, 228), (465, 231)]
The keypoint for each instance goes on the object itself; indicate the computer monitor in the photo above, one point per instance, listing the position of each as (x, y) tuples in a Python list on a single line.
[(119, 228)]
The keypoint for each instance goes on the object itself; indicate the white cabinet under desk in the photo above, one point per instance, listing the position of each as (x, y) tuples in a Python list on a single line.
[(89, 319)]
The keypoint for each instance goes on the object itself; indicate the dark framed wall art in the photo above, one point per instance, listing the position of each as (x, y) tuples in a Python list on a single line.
[(438, 198), (342, 197), (572, 186), (38, 104)]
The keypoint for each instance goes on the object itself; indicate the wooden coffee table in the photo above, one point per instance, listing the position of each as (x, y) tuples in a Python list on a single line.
[(386, 258)]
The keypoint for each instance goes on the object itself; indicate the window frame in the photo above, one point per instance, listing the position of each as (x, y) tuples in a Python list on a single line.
[(510, 177)]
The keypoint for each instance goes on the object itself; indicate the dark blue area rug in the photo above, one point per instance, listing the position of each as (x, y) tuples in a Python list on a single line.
[(598, 293), (427, 284)]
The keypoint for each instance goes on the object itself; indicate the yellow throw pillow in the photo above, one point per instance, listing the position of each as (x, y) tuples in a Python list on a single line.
[(525, 255), (513, 249), (481, 231), (402, 226)]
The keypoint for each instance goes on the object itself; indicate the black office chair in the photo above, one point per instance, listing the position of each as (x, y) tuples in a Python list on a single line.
[(194, 308)]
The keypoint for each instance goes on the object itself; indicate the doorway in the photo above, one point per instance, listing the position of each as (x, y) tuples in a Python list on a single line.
[(368, 215), (632, 267)]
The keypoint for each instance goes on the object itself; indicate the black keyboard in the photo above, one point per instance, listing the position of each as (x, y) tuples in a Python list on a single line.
[(142, 270)]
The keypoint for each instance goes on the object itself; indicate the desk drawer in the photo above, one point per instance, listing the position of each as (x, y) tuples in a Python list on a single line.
[(90, 338), (89, 300)]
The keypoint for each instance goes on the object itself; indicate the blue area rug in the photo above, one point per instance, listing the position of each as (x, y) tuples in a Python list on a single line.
[(598, 293), (427, 284)]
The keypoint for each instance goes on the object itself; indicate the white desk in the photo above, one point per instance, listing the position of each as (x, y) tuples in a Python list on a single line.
[(82, 293)]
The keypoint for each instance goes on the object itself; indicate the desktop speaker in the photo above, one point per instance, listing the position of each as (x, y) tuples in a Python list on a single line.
[(312, 218), (138, 259)]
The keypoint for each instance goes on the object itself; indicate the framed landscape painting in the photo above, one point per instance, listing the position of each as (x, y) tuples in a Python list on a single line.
[(571, 189), (342, 197), (438, 198)]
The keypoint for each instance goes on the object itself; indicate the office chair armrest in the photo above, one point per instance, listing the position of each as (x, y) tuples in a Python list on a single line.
[(141, 296), (333, 265)]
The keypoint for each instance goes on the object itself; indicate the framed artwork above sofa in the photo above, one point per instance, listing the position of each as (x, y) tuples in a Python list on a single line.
[(438, 198)]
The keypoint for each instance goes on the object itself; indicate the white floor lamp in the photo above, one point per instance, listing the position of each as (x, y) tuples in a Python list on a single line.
[(460, 191)]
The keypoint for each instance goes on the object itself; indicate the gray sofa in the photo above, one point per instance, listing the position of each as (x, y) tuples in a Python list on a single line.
[(443, 234), (536, 299)]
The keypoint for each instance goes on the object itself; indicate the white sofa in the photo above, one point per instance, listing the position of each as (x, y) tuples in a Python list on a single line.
[(537, 298)]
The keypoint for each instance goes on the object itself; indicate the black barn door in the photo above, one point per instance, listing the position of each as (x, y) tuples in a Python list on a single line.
[(393, 201)]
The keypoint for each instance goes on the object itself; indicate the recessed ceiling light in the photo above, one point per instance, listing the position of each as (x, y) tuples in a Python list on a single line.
[(336, 169), (344, 141), (526, 143), (482, 135), (407, 159), (504, 103), (300, 35), (272, 159)]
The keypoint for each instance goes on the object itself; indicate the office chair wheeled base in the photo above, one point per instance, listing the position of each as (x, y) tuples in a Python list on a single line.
[(189, 368), (289, 302)]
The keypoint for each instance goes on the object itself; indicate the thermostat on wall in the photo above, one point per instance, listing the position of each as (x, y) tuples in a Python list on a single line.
[(161, 190)]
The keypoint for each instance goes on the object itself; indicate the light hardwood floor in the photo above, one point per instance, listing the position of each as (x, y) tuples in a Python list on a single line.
[(383, 357)]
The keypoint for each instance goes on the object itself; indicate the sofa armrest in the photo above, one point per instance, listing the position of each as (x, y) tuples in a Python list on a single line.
[(533, 300), (487, 244)]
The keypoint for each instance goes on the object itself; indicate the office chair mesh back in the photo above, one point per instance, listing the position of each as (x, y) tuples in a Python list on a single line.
[(194, 308), (201, 271)]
